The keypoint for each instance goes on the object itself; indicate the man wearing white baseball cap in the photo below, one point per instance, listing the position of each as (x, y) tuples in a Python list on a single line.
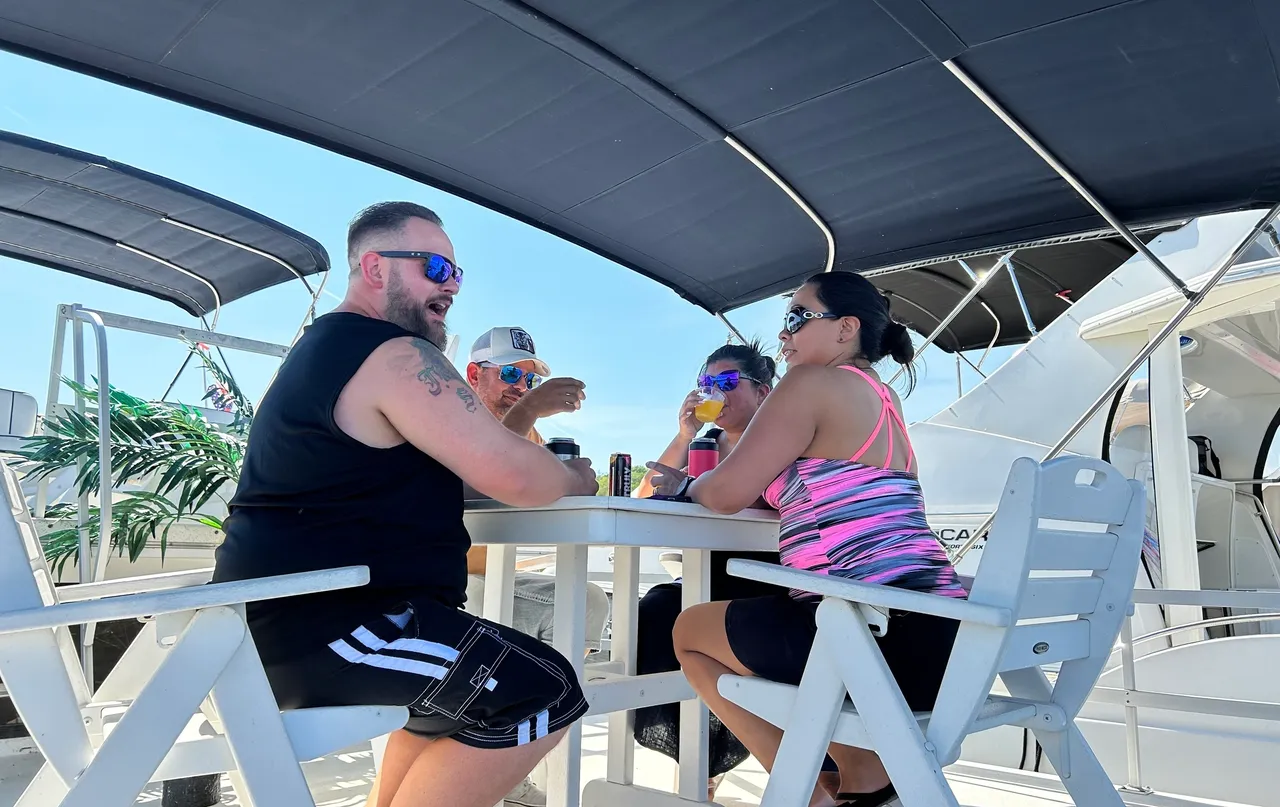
[(511, 381)]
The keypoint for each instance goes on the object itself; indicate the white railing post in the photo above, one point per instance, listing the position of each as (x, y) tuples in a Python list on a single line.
[(1131, 736), (51, 398), (93, 567)]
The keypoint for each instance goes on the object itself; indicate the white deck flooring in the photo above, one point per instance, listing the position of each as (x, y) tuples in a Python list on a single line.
[(343, 780)]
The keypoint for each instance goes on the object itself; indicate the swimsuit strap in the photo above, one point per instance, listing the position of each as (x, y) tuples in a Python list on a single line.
[(887, 412)]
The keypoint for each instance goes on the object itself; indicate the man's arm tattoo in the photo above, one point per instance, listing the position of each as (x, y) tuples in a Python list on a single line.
[(437, 373)]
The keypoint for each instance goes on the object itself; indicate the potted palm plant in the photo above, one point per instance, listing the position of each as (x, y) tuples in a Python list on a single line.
[(179, 460)]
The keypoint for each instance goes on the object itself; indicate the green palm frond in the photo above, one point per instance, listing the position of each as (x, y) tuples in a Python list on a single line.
[(140, 517), (192, 458), (175, 445)]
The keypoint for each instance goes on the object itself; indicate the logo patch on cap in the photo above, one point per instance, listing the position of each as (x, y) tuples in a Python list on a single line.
[(521, 340)]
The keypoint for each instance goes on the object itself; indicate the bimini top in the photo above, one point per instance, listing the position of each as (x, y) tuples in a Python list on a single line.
[(100, 219), (613, 123)]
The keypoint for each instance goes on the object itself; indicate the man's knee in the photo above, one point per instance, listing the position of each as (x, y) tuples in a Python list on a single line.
[(662, 603), (597, 613)]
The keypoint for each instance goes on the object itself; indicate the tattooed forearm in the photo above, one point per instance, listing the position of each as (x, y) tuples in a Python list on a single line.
[(437, 373)]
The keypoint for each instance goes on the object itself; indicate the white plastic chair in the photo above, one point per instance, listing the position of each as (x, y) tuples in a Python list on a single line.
[(189, 697), (1012, 625)]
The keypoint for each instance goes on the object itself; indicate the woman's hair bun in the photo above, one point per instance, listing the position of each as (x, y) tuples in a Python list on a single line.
[(896, 343)]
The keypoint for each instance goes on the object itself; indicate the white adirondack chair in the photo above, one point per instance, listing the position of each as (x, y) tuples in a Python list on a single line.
[(189, 697), (1012, 625)]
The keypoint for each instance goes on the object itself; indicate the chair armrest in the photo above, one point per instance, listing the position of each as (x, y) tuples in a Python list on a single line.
[(80, 592), (131, 606), (890, 597)]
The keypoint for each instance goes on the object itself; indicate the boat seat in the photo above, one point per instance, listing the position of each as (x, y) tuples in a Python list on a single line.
[(1132, 446), (17, 419), (1271, 502), (17, 414)]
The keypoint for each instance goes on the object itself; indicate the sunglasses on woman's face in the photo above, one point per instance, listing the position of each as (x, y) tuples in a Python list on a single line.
[(437, 268), (725, 381), (798, 316), (510, 374)]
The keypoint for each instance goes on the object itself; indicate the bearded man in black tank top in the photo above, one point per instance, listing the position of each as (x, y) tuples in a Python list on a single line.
[(357, 457)]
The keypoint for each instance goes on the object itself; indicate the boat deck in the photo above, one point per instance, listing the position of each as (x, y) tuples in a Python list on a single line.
[(344, 779)]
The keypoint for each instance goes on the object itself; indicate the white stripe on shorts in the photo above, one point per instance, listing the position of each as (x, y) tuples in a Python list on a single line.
[(422, 647), (407, 665)]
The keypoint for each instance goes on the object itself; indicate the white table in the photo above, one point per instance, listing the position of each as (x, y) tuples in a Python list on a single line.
[(571, 525)]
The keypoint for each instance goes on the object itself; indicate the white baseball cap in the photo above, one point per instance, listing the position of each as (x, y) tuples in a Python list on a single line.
[(508, 346)]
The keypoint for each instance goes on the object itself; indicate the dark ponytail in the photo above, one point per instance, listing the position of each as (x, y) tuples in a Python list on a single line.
[(750, 359), (848, 294)]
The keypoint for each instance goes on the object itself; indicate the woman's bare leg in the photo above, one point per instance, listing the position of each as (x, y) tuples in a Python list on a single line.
[(704, 654), (860, 770)]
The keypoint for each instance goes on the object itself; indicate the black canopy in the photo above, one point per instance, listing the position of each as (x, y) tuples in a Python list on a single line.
[(604, 121), (100, 219)]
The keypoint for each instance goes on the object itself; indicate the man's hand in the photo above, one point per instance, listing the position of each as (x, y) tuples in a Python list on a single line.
[(552, 397), (585, 484)]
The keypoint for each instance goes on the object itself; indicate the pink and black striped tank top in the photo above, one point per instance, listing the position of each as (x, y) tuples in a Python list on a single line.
[(863, 522)]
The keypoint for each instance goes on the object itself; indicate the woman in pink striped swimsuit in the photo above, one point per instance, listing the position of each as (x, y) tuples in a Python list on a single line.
[(829, 450)]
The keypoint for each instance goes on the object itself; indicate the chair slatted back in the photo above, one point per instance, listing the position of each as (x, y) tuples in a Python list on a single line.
[(40, 668), (1062, 555)]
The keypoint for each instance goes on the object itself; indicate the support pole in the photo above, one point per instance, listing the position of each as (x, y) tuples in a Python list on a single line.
[(1022, 301), (960, 306), (732, 328), (51, 397), (1175, 508), (93, 567), (1062, 171)]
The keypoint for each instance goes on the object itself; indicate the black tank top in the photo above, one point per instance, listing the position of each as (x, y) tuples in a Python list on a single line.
[(312, 497)]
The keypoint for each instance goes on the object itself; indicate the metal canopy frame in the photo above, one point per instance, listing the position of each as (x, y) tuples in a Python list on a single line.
[(1220, 270), (84, 214), (1062, 171), (596, 44), (1012, 123)]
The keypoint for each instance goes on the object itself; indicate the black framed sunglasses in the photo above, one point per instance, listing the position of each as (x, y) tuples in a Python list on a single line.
[(437, 268), (798, 316)]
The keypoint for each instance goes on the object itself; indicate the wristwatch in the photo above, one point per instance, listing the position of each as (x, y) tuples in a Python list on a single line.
[(683, 490)]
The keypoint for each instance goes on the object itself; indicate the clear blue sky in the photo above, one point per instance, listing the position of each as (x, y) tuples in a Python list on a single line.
[(635, 343)]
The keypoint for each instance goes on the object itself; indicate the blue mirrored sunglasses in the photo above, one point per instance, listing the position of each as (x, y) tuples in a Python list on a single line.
[(437, 268), (725, 381), (510, 374)]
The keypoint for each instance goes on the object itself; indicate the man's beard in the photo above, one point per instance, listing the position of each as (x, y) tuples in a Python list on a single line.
[(411, 316), (502, 406)]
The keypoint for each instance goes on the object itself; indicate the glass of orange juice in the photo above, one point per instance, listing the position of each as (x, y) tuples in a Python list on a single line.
[(709, 406)]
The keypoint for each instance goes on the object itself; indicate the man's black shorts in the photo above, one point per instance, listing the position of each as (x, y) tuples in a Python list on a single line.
[(483, 684)]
